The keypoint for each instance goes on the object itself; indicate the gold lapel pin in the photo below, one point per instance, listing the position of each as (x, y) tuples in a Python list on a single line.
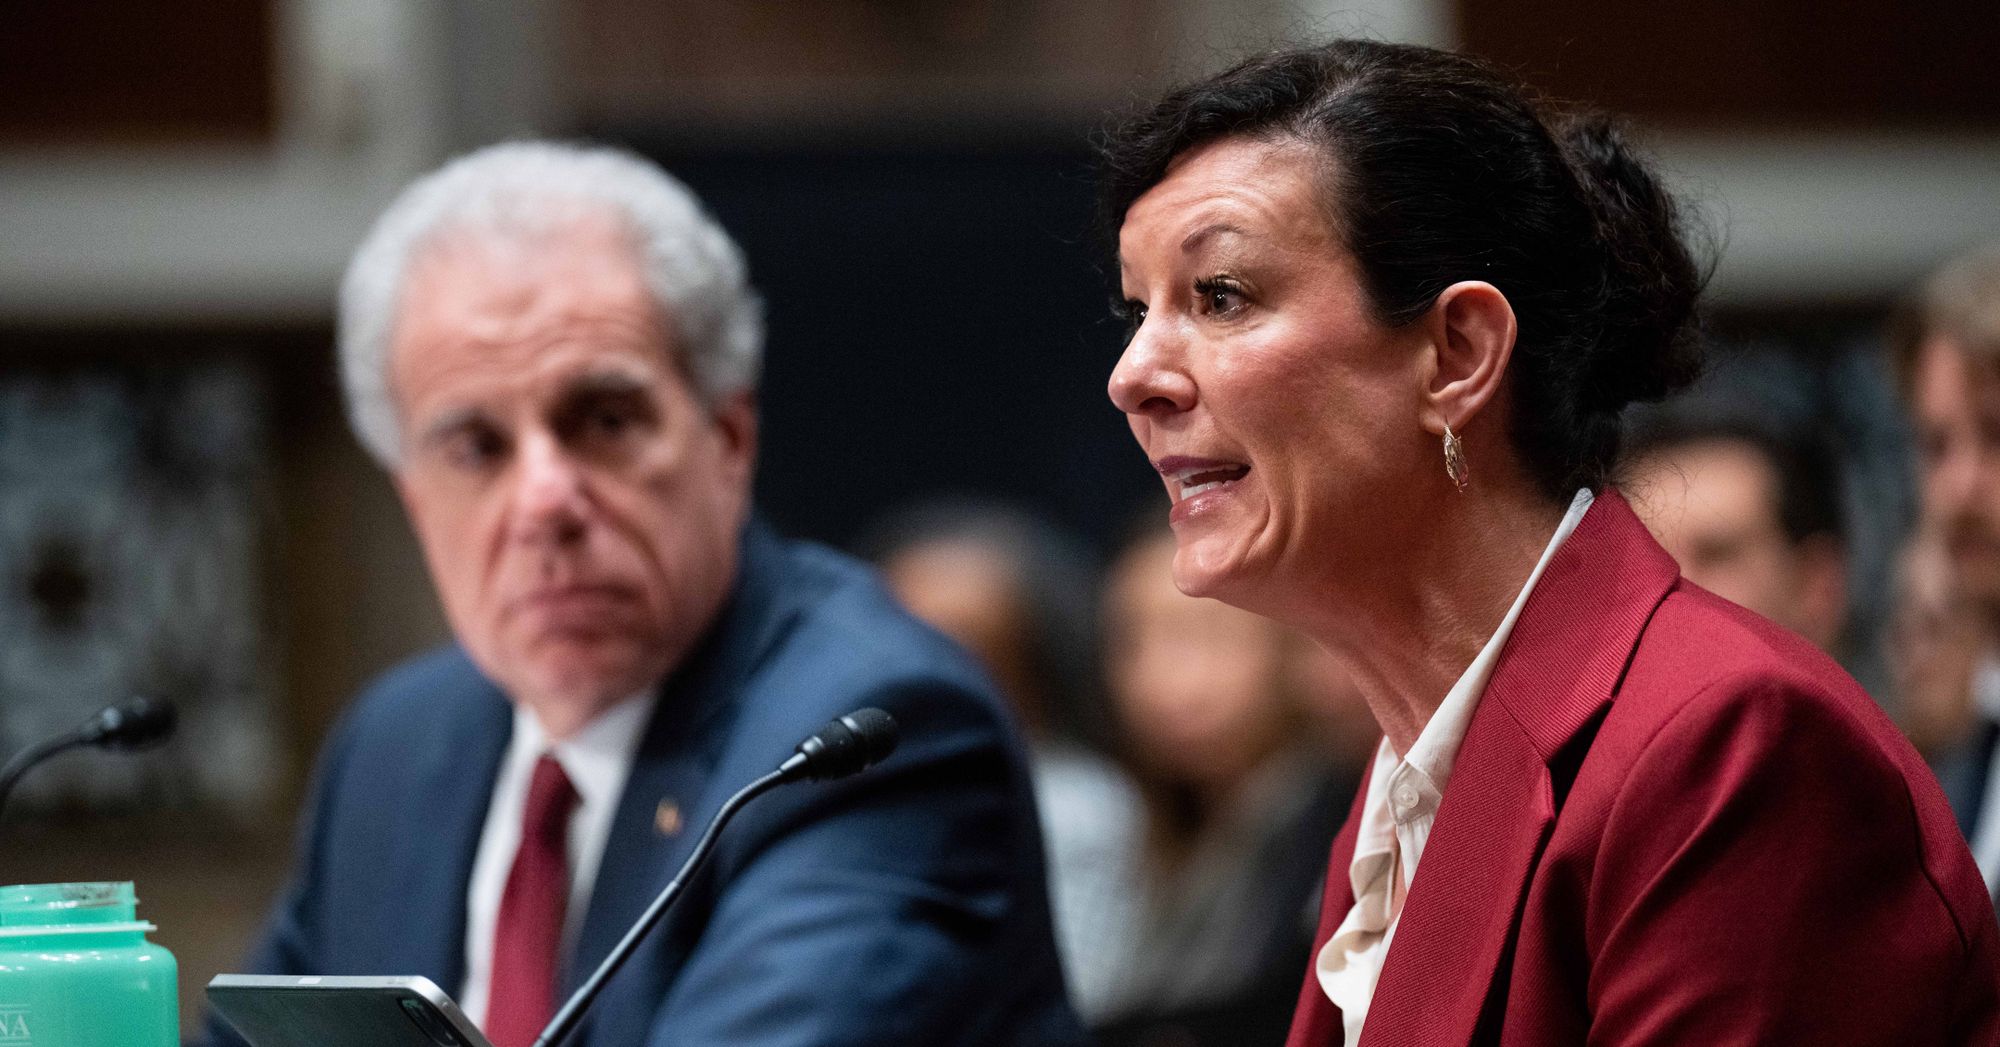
[(667, 818)]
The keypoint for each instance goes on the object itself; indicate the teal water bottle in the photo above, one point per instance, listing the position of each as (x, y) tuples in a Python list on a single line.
[(76, 970)]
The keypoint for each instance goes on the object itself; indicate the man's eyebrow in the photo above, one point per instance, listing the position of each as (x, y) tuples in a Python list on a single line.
[(450, 421), (604, 383)]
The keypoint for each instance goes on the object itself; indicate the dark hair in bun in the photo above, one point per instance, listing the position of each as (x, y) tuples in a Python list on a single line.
[(1440, 169)]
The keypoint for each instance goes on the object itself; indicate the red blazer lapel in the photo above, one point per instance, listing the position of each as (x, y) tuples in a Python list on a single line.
[(1316, 1022), (1561, 665), (1465, 901)]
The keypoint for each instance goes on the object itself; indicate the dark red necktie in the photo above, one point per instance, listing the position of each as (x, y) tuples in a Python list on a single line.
[(527, 939)]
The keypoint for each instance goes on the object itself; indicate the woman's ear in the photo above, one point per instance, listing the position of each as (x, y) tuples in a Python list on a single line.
[(1472, 337)]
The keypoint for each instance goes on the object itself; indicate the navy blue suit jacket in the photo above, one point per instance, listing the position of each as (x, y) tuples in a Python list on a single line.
[(906, 905), (1963, 773)]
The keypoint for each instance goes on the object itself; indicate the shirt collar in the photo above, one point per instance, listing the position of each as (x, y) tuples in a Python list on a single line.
[(1986, 684), (596, 757)]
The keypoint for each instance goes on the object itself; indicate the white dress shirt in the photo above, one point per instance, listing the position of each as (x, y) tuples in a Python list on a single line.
[(597, 760), (1986, 829), (1396, 817)]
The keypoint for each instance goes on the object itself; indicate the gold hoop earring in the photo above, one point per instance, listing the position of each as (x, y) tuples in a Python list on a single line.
[(1454, 459)]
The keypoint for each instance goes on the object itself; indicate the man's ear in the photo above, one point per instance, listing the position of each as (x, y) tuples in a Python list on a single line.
[(736, 421), (398, 481), (1472, 329)]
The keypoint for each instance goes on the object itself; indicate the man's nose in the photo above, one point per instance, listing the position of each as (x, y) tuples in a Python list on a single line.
[(1149, 378), (550, 502), (1952, 482)]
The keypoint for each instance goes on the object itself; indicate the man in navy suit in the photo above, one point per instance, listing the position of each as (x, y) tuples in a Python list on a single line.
[(1948, 354), (554, 352)]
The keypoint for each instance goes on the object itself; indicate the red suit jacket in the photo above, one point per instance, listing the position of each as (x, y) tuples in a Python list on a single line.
[(1672, 822)]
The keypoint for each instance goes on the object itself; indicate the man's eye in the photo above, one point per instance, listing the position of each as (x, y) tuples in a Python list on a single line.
[(1715, 552), (605, 419), (475, 448), (1930, 446), (608, 422)]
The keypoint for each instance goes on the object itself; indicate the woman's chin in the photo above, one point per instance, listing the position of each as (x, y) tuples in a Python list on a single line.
[(1204, 568)]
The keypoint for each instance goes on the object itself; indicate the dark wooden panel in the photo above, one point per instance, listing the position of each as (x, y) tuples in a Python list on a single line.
[(119, 71), (1846, 63), (766, 61)]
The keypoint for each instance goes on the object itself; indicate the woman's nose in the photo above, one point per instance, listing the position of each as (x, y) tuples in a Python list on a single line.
[(1151, 377)]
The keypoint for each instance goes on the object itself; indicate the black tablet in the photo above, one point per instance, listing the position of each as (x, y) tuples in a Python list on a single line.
[(308, 1011)]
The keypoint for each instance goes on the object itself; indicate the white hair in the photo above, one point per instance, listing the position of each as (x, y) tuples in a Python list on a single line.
[(694, 270)]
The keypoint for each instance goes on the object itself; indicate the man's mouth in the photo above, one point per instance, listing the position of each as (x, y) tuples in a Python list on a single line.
[(1193, 476), (574, 601)]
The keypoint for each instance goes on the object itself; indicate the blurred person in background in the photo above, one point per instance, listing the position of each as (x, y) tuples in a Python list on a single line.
[(1947, 346), (1386, 308), (554, 353), (1241, 804), (1935, 641), (1750, 515), (1016, 592)]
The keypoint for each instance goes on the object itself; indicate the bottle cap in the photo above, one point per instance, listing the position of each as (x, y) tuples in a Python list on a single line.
[(67, 904)]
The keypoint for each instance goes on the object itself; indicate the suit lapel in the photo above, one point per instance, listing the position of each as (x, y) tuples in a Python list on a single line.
[(670, 793), (455, 780), (646, 843), (1559, 670), (1466, 899)]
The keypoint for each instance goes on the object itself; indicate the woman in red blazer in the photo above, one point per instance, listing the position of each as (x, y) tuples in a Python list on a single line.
[(1385, 312)]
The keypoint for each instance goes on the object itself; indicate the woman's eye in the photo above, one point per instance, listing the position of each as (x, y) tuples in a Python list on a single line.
[(1218, 296), (1133, 312)]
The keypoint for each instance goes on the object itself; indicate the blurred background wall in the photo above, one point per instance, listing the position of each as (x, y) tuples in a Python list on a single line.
[(183, 513)]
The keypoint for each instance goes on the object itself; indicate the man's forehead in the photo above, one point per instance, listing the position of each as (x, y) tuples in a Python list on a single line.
[(498, 311), (590, 254), (1707, 482), (554, 375), (1952, 375)]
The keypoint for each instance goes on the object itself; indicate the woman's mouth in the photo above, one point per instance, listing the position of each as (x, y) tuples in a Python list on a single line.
[(1194, 476)]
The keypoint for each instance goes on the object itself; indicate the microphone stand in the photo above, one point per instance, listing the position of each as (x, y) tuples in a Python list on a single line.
[(566, 1019), (133, 725), (27, 758), (848, 745)]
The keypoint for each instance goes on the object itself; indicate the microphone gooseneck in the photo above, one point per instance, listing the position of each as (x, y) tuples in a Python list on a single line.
[(848, 745), (136, 724)]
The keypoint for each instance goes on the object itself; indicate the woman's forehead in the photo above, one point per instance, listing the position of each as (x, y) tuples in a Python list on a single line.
[(1227, 191)]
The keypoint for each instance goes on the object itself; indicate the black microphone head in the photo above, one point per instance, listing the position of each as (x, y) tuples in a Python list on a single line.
[(849, 745), (134, 725)]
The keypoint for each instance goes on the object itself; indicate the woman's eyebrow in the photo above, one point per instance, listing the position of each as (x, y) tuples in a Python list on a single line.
[(1195, 239)]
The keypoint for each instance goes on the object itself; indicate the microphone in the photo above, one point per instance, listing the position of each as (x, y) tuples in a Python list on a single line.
[(849, 745), (845, 746), (137, 724)]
